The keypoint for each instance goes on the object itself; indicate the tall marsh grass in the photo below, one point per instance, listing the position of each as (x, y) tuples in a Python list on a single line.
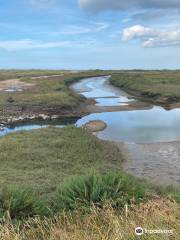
[(102, 224)]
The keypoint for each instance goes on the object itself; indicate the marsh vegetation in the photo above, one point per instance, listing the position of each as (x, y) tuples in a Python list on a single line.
[(66, 183)]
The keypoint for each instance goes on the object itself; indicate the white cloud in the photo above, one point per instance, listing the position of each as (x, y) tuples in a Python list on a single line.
[(25, 44), (13, 45), (151, 37), (99, 5), (137, 31), (75, 30)]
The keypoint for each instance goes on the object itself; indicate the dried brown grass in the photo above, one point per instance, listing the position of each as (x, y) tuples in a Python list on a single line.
[(104, 224)]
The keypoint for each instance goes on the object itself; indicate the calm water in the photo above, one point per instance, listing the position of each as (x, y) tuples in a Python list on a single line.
[(154, 125), (37, 125), (104, 93), (21, 128), (139, 126), (149, 134)]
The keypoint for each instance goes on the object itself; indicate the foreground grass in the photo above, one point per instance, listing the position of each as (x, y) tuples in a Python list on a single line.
[(115, 188), (153, 86), (42, 159), (81, 192), (102, 224)]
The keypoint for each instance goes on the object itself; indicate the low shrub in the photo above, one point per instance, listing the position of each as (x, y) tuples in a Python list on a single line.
[(96, 189), (21, 204)]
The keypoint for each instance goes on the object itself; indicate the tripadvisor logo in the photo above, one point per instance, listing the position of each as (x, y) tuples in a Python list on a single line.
[(139, 231)]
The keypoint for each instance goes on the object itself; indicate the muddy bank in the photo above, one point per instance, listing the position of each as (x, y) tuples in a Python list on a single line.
[(141, 131), (17, 114), (167, 103), (92, 108), (157, 162), (95, 126)]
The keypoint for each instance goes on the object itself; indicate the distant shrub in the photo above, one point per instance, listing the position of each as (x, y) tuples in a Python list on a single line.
[(96, 189), (20, 204), (10, 100)]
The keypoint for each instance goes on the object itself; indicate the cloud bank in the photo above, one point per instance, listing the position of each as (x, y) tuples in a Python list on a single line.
[(151, 37), (100, 5)]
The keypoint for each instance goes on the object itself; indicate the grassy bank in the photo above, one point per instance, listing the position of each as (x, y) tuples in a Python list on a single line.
[(57, 184), (154, 86), (11, 74), (49, 92), (42, 159)]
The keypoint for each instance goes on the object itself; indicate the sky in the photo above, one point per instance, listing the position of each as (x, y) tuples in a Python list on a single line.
[(90, 34)]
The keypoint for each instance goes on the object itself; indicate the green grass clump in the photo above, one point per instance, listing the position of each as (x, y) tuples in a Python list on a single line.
[(83, 193), (97, 189), (20, 204)]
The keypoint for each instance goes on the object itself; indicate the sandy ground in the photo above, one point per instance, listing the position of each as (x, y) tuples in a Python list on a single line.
[(17, 85), (157, 162), (14, 84), (95, 126), (92, 108)]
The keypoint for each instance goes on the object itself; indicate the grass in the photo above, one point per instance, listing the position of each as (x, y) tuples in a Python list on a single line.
[(47, 92), (95, 189), (153, 86), (11, 74), (81, 192), (102, 224), (55, 183), (20, 204), (42, 159)]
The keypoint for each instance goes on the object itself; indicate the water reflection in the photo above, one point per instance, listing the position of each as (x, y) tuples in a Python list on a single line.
[(104, 93), (155, 125)]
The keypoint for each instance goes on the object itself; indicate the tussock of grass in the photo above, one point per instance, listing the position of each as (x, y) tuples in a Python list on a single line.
[(102, 224), (81, 192), (96, 189), (20, 204)]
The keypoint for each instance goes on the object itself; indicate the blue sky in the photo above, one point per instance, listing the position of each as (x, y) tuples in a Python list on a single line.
[(90, 34)]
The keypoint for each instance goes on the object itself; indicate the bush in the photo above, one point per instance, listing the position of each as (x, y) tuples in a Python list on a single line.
[(96, 189), (10, 100), (20, 204)]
